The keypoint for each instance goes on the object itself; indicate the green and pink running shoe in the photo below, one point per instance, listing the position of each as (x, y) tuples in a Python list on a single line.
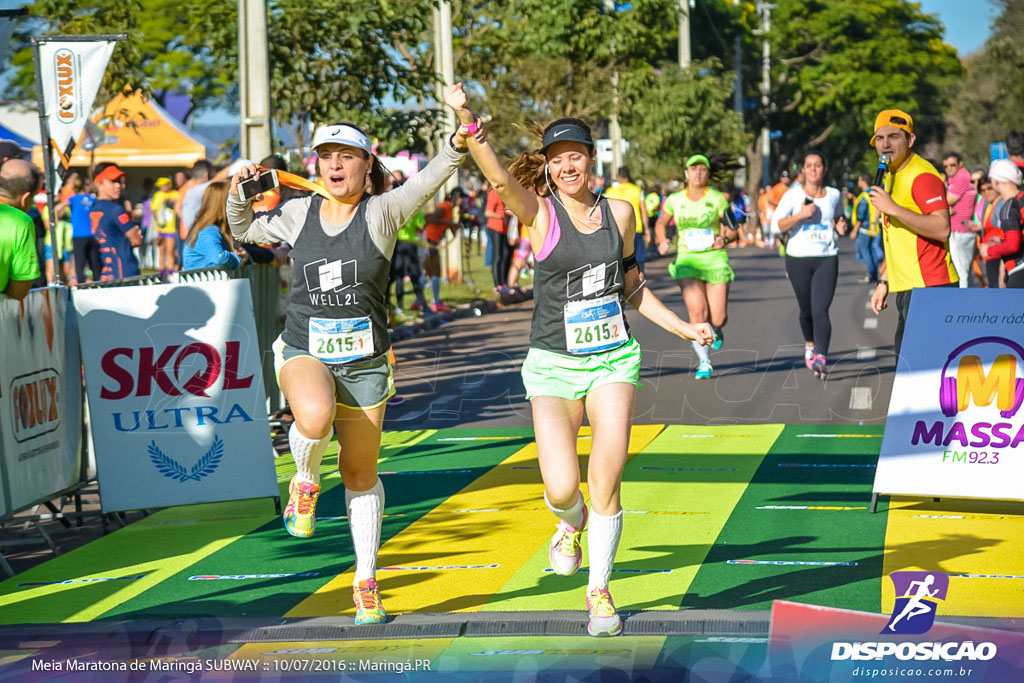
[(300, 513), (369, 610), (604, 620)]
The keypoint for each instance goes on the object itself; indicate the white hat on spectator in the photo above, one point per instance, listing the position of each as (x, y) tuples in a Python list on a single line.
[(1004, 170)]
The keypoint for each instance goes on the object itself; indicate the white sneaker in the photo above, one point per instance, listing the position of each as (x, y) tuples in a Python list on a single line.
[(565, 553)]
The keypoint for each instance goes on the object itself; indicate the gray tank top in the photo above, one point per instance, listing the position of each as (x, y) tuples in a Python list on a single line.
[(337, 307), (581, 271)]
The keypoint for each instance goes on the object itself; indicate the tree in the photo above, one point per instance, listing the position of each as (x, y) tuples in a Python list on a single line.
[(165, 50), (328, 63), (989, 100), (837, 63), (676, 113)]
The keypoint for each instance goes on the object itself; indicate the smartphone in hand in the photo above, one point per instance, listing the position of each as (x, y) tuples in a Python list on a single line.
[(248, 189)]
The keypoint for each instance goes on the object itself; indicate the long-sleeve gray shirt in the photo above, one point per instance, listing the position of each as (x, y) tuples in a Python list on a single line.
[(385, 213)]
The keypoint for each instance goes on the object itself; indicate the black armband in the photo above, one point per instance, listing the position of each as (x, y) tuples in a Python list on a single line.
[(730, 220), (629, 263)]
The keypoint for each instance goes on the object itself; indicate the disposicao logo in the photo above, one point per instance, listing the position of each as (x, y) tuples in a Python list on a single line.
[(917, 595)]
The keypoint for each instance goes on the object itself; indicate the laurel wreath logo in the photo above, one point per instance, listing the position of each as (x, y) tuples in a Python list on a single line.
[(169, 467)]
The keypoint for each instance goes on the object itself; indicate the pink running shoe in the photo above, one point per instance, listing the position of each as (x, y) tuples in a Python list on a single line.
[(565, 552)]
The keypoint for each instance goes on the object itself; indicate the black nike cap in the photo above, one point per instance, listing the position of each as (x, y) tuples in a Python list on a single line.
[(566, 132)]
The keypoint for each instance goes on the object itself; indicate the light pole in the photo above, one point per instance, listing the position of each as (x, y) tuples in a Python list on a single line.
[(684, 34), (254, 79), (766, 83)]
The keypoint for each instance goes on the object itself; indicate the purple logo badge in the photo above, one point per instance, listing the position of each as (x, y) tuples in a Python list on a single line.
[(917, 595)]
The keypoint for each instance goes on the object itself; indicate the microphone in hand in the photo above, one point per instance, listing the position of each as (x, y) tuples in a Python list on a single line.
[(883, 167)]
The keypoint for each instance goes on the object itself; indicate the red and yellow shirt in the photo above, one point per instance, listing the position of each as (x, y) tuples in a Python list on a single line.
[(913, 261)]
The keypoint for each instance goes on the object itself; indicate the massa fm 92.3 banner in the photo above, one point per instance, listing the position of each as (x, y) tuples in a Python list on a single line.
[(176, 399), (956, 419)]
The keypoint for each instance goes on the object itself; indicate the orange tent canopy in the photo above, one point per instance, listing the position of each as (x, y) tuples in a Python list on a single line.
[(156, 139)]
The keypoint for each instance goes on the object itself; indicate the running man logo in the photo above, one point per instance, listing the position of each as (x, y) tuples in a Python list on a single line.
[(917, 595), (1001, 384), (333, 276), (591, 280)]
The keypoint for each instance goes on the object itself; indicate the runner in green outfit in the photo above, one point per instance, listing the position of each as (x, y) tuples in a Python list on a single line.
[(702, 264)]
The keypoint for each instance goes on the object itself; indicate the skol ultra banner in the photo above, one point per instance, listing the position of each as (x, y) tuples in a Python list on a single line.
[(956, 423), (40, 398), (176, 399), (70, 73)]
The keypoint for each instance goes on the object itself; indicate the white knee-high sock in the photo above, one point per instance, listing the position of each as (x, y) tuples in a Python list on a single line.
[(307, 453), (602, 543), (365, 511), (573, 516), (702, 351)]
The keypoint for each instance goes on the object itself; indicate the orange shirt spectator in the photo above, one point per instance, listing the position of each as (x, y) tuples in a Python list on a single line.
[(497, 217), (438, 221)]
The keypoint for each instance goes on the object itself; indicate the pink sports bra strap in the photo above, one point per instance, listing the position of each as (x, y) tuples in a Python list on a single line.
[(554, 232)]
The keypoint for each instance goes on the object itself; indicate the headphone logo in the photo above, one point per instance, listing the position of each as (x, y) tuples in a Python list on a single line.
[(1000, 384)]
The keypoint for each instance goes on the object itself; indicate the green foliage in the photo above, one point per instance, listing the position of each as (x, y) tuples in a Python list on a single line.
[(837, 63), (989, 100), (329, 62), (676, 113)]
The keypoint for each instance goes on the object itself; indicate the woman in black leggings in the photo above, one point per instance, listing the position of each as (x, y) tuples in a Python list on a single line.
[(811, 215)]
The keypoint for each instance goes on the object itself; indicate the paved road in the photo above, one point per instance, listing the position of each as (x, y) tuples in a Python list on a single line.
[(467, 372)]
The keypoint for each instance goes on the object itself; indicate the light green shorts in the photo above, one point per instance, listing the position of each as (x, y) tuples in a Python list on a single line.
[(360, 385), (711, 267), (546, 373)]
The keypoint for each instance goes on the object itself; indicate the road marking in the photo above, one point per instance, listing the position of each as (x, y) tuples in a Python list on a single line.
[(870, 323), (984, 576), (866, 353), (860, 398), (818, 464), (812, 563), (691, 469), (867, 304), (549, 570), (812, 507)]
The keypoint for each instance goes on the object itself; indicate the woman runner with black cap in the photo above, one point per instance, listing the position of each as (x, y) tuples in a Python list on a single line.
[(332, 358), (582, 355)]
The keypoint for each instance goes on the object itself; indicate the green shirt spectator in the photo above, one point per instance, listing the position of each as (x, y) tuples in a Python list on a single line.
[(19, 265), (410, 232)]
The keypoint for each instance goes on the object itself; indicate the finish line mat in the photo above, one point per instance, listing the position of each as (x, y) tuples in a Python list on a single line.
[(725, 517)]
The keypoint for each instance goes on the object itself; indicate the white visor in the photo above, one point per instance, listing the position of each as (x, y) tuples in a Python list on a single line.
[(342, 134)]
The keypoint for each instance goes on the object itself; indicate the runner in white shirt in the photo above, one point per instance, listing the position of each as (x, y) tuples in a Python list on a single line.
[(811, 215)]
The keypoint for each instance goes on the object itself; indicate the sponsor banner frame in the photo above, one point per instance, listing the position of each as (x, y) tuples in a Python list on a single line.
[(176, 397), (40, 399), (955, 425)]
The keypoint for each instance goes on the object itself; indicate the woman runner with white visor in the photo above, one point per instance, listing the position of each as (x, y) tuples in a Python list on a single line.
[(582, 355), (332, 357)]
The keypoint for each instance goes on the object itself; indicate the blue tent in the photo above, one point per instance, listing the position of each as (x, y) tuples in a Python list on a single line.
[(24, 143)]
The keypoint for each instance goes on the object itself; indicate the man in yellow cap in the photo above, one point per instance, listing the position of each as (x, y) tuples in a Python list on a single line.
[(915, 218), (166, 221)]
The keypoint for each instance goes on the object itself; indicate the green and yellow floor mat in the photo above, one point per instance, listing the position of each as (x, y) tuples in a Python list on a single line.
[(716, 518)]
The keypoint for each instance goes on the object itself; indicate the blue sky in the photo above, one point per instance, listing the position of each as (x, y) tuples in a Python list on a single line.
[(968, 22)]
